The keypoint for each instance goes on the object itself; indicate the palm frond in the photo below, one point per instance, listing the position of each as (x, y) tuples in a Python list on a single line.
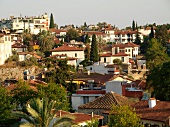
[(24, 116)]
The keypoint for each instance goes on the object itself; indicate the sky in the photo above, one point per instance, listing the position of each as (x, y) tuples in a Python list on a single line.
[(120, 13)]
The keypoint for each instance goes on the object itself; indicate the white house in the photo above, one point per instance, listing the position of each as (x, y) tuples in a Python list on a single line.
[(5, 47), (85, 95), (70, 51)]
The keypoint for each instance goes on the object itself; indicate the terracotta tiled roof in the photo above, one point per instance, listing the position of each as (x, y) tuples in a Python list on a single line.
[(94, 32), (160, 112), (66, 48), (31, 53), (129, 44), (57, 31), (106, 101), (125, 32), (79, 117), (118, 54), (98, 78), (18, 45)]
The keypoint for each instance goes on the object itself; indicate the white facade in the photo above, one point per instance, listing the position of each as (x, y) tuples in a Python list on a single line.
[(79, 55), (5, 48), (114, 86), (32, 24), (109, 60), (99, 68)]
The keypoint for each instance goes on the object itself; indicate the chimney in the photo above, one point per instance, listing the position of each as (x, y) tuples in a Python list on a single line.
[(152, 102), (88, 72)]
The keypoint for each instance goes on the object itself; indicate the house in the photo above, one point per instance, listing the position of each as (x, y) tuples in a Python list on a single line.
[(81, 119), (86, 94), (103, 103), (19, 47), (124, 52), (5, 47), (70, 51), (70, 60), (26, 55), (126, 36), (103, 68), (153, 112)]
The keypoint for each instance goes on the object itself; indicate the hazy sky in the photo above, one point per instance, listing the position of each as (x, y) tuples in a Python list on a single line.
[(116, 12)]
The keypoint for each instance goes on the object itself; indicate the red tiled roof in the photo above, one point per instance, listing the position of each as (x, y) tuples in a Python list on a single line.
[(79, 117), (118, 54), (125, 32), (129, 44), (18, 45), (98, 78), (66, 48), (94, 32), (160, 112), (31, 53), (106, 101), (57, 31)]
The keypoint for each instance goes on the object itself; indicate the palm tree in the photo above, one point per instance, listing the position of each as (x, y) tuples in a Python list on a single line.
[(46, 40), (41, 113)]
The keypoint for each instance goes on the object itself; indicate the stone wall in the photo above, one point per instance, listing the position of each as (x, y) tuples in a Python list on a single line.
[(17, 72)]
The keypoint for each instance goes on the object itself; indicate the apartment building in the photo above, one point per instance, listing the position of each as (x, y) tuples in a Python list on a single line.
[(5, 47), (33, 24)]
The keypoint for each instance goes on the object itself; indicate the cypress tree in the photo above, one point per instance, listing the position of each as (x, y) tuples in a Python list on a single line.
[(51, 21), (133, 25), (151, 35), (137, 39), (94, 56)]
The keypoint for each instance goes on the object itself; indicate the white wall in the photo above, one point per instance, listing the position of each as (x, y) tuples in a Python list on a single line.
[(114, 86), (80, 55)]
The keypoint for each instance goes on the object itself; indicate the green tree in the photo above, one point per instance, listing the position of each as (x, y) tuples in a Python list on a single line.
[(27, 37), (117, 61), (137, 39), (46, 40), (123, 116), (41, 113), (87, 40), (151, 35), (162, 35), (93, 123), (159, 83), (51, 21), (22, 93), (6, 105), (71, 34), (155, 54), (133, 25), (54, 92), (94, 56)]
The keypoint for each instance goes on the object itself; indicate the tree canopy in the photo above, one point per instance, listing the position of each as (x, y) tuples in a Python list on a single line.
[(51, 21), (72, 34), (42, 113), (158, 82), (94, 56), (123, 116), (155, 54)]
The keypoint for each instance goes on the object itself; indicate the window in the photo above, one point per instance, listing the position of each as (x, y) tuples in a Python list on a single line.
[(5, 38), (91, 68), (75, 54), (85, 99), (104, 59), (122, 59), (129, 50), (8, 38)]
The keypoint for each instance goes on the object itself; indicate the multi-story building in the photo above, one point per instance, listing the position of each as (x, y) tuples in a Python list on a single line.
[(33, 24), (5, 47)]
